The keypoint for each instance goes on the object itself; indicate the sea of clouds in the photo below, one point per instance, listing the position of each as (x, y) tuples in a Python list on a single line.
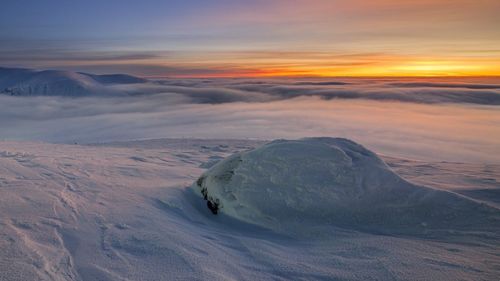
[(452, 120)]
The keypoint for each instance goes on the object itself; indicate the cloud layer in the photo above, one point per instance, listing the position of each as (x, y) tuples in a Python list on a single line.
[(25, 82), (456, 124), (216, 91)]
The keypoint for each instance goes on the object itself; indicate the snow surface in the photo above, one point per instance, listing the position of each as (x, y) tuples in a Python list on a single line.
[(125, 211)]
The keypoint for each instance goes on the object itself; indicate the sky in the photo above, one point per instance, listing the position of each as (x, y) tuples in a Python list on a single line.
[(254, 38)]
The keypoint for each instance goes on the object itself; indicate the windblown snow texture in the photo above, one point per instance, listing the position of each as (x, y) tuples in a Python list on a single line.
[(122, 211)]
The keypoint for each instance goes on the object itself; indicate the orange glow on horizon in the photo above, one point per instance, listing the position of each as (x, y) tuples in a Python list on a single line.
[(424, 68)]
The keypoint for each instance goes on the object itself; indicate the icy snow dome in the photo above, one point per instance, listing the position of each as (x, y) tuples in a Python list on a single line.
[(299, 186)]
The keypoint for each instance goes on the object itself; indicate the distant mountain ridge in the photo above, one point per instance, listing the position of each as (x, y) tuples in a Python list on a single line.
[(29, 82)]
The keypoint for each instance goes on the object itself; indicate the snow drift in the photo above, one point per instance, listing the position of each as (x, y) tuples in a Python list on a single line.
[(303, 186)]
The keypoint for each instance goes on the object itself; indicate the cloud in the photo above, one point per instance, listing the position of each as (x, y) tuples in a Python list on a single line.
[(444, 85), (62, 55), (149, 70), (268, 109), (219, 91), (236, 90)]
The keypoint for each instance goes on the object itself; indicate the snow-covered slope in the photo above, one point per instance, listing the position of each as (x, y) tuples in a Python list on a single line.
[(26, 82), (301, 186), (123, 211)]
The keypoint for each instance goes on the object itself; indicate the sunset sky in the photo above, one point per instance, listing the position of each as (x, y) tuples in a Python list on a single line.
[(234, 38)]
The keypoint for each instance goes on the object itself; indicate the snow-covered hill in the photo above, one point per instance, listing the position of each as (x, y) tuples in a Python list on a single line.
[(303, 186), (123, 211), (27, 82)]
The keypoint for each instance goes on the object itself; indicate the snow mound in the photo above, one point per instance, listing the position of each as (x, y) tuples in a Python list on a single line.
[(302, 185)]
